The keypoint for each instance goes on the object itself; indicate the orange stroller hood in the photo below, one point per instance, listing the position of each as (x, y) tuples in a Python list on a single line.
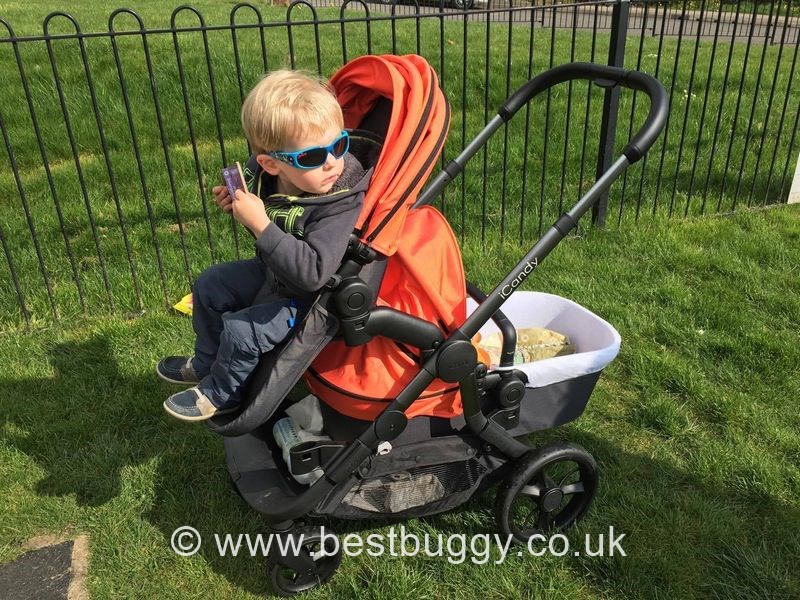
[(416, 133), (424, 274)]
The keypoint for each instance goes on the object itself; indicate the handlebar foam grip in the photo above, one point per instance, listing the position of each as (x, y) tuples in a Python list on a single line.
[(640, 143)]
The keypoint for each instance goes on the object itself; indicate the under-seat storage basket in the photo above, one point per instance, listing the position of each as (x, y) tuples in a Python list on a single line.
[(413, 480)]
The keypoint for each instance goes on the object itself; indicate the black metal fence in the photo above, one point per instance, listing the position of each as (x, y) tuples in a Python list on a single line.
[(114, 137)]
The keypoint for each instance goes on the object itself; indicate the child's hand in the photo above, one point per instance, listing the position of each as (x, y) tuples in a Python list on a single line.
[(249, 210), (222, 198)]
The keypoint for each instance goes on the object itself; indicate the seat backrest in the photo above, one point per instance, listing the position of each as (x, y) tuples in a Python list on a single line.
[(424, 279)]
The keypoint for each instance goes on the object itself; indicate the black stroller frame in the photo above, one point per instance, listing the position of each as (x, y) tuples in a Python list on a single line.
[(451, 359)]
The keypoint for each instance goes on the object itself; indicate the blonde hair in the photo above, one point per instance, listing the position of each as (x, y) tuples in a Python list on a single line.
[(288, 105)]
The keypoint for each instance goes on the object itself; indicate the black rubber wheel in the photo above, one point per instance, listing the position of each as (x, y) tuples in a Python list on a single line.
[(288, 582), (547, 490), (463, 4)]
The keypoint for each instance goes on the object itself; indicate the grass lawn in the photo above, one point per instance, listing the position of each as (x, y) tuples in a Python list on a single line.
[(694, 427)]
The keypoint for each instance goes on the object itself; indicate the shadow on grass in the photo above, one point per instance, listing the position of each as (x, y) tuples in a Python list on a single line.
[(685, 536), (102, 437), (77, 424)]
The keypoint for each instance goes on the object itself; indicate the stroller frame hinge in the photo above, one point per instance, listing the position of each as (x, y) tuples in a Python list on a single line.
[(484, 428)]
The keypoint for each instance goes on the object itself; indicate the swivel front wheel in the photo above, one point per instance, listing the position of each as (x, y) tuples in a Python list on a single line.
[(309, 561)]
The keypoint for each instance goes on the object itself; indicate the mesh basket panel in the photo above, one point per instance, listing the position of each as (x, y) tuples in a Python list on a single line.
[(418, 486)]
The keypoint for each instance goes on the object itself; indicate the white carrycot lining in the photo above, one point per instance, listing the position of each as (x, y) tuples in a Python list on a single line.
[(596, 341)]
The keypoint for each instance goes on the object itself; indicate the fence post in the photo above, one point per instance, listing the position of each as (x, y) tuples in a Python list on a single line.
[(608, 127)]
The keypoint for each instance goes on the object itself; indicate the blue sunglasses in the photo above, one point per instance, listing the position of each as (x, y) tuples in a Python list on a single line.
[(311, 158)]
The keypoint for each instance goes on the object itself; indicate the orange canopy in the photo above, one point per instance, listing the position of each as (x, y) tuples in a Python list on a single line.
[(416, 133)]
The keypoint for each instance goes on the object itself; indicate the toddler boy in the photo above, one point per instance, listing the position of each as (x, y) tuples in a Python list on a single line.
[(305, 192)]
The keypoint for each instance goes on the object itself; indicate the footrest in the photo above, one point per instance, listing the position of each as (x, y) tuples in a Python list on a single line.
[(307, 456), (255, 473)]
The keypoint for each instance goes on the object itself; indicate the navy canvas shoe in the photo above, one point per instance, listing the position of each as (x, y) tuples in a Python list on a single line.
[(193, 405), (177, 369)]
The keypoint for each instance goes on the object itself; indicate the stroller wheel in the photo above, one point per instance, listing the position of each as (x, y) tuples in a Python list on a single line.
[(548, 490), (318, 558)]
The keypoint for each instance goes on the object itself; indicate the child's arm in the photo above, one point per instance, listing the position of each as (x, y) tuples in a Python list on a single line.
[(309, 263)]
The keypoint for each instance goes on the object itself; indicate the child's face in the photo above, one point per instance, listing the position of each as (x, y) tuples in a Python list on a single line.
[(293, 181)]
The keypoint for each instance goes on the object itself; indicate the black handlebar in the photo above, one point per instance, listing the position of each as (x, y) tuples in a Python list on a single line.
[(603, 76)]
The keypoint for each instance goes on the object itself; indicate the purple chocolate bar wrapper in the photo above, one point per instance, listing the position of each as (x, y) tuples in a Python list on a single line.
[(233, 179)]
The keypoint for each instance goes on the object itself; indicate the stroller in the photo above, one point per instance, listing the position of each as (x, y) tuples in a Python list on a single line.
[(417, 425)]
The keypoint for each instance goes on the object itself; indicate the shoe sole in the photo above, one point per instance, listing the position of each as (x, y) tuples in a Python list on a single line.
[(176, 381), (222, 411)]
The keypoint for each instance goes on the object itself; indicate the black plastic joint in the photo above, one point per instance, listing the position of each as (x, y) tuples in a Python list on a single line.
[(565, 224), (390, 424), (333, 282), (365, 254), (504, 114), (632, 153), (452, 169), (347, 461), (605, 83)]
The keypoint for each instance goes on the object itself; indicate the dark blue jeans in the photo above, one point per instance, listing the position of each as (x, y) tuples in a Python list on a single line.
[(231, 333)]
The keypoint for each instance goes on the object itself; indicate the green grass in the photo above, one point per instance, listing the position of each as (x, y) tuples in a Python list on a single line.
[(694, 427), (517, 195)]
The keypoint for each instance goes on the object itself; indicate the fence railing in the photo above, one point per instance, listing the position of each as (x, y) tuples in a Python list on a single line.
[(114, 136)]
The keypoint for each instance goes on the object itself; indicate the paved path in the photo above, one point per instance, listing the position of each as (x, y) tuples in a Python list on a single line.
[(653, 22), (39, 575)]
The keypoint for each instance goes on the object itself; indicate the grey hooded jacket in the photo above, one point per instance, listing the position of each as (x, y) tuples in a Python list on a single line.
[(306, 239)]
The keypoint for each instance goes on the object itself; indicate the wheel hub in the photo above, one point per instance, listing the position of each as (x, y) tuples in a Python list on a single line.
[(551, 500)]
